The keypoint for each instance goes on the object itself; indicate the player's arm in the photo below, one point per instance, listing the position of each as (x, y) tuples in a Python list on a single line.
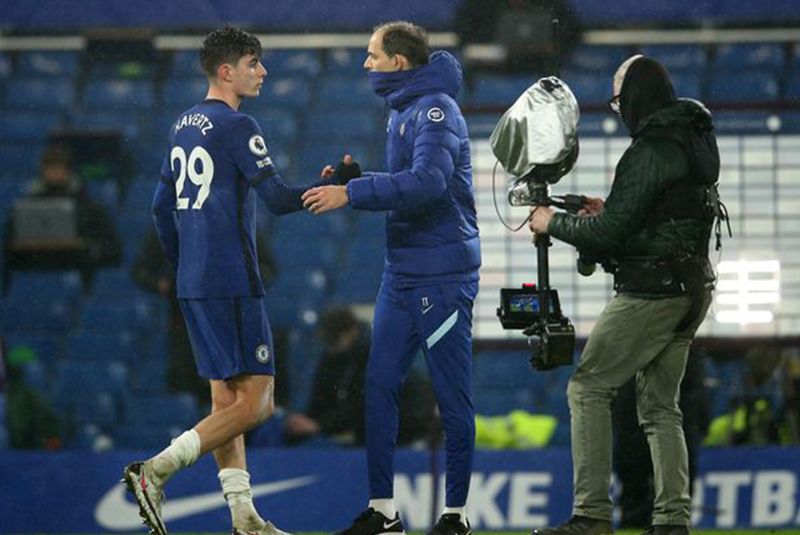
[(164, 217), (254, 162), (436, 148), (279, 197)]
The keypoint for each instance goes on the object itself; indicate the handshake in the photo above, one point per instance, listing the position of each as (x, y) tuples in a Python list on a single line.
[(326, 198)]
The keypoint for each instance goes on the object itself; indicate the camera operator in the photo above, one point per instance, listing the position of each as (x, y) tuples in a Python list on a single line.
[(652, 233)]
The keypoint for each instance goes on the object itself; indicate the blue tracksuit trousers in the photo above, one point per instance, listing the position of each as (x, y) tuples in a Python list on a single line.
[(437, 319)]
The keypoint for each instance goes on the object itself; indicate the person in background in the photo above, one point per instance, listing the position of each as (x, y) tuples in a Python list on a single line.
[(95, 226), (336, 406)]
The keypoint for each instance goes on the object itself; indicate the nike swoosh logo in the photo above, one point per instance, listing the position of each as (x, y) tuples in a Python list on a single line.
[(114, 511), (425, 310), (387, 525)]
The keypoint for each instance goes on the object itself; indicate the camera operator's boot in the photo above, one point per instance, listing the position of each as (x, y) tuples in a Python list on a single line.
[(667, 530), (579, 525)]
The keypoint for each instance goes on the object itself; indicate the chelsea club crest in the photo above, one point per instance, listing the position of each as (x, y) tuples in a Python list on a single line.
[(262, 353)]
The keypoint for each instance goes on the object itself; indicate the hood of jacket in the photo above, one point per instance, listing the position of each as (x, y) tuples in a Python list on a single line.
[(645, 89), (442, 74)]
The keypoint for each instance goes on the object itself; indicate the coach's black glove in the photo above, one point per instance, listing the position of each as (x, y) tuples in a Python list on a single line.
[(345, 172)]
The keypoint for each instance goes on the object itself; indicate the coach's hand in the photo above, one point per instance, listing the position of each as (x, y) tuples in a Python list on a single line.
[(347, 170), (325, 198)]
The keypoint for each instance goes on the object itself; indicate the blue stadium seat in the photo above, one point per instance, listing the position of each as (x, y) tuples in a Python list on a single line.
[(125, 122), (345, 62), (152, 436), (747, 122), (793, 86), (495, 90), (115, 317), (678, 58), (20, 161), (119, 95), (505, 369), (40, 94), (481, 125), (790, 122), (28, 127), (36, 376), (74, 379), (49, 348), (184, 92), (299, 63), (278, 125), (115, 282), (600, 58), (90, 344), (98, 408), (497, 402), (186, 63), (46, 286), (48, 63), (343, 126), (589, 88), (286, 92), (600, 124), (794, 60), (11, 189), (749, 56), (757, 87), (3, 409), (167, 409), (349, 93), (688, 85), (5, 65), (151, 375)]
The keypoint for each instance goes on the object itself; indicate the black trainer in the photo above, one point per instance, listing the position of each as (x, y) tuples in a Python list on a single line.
[(579, 525), (667, 530), (371, 522), (450, 524)]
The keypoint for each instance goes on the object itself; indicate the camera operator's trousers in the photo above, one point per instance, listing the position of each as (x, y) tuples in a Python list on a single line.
[(633, 337), (438, 320)]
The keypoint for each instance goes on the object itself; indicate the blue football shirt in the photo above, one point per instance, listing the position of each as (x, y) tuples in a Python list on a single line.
[(215, 160)]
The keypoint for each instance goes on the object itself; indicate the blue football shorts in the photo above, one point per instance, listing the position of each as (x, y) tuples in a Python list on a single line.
[(229, 336)]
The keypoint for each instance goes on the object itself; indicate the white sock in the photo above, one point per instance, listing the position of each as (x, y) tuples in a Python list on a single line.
[(236, 489), (461, 511), (183, 452), (385, 507)]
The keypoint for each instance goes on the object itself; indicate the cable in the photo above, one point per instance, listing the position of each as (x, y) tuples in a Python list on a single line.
[(497, 209)]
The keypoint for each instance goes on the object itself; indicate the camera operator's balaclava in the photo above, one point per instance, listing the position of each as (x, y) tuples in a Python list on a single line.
[(646, 89)]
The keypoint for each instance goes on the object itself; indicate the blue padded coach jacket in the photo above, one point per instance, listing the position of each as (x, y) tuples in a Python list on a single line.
[(431, 225)]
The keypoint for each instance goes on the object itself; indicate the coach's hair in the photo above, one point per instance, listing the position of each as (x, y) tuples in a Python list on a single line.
[(227, 45), (406, 38)]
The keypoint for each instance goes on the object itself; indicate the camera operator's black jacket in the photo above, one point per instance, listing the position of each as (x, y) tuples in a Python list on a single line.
[(657, 204)]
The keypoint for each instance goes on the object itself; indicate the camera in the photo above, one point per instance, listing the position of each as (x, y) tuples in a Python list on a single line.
[(536, 141)]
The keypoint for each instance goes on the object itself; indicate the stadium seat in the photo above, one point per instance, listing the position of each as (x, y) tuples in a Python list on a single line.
[(761, 86), (292, 93), (100, 409), (348, 93), (45, 286), (589, 88), (183, 92), (125, 122), (51, 315), (688, 85), (294, 63), (74, 379), (793, 86), (119, 95), (496, 90), (5, 65), (167, 409), (481, 125), (115, 282), (743, 122), (3, 436), (150, 375), (279, 125), (600, 124), (186, 63), (151, 436), (48, 347), (28, 127), (497, 402), (600, 58), (94, 345), (678, 58), (345, 63), (749, 56), (36, 376), (40, 94), (505, 369), (20, 161), (48, 63), (343, 126)]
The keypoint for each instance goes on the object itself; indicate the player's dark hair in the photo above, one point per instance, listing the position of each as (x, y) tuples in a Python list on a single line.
[(407, 39), (227, 45)]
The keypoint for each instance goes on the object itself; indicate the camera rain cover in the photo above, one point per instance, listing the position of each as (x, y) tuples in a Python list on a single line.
[(541, 128)]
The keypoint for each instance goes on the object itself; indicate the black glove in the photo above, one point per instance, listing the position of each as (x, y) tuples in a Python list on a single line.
[(345, 172)]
